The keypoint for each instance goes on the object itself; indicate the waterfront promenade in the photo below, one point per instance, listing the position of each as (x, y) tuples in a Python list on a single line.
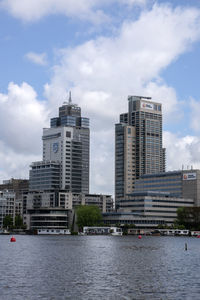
[(99, 267)]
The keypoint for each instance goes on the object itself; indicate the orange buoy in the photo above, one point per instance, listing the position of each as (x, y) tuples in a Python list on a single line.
[(13, 239), (139, 237)]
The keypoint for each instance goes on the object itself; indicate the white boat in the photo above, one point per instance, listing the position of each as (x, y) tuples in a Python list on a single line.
[(174, 232), (54, 231), (93, 230), (4, 231), (195, 233), (116, 231)]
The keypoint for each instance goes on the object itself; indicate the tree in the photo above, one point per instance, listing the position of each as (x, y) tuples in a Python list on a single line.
[(189, 217), (8, 222), (88, 215), (19, 222), (182, 216)]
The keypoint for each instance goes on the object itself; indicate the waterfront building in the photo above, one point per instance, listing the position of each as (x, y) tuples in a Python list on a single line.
[(61, 179), (68, 200), (181, 184), (138, 144), (127, 218), (47, 218), (45, 175), (7, 205), (19, 207), (67, 142), (66, 146), (72, 200), (154, 204), (20, 188), (42, 203)]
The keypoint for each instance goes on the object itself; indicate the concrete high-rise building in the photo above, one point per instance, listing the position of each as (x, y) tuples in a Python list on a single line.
[(138, 144), (66, 147)]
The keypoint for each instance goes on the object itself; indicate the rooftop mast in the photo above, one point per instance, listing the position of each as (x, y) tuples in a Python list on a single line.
[(70, 97)]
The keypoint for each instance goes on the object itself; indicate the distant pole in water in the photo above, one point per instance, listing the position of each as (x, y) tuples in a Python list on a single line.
[(185, 246)]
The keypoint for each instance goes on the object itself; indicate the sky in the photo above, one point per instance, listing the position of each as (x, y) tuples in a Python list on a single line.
[(102, 51)]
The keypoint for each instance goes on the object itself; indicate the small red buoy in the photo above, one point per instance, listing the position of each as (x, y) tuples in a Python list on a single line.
[(139, 237), (13, 239), (198, 236)]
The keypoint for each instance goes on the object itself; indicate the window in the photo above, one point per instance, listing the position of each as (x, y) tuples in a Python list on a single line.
[(68, 134)]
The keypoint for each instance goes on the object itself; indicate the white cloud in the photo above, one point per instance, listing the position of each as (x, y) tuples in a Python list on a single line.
[(195, 113), (182, 151), (34, 10), (15, 164), (22, 118), (133, 2), (92, 10), (37, 58), (102, 165)]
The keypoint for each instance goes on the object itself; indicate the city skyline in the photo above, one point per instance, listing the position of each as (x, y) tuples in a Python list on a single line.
[(102, 52)]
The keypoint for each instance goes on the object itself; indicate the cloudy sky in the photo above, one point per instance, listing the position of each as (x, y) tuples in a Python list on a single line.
[(103, 51)]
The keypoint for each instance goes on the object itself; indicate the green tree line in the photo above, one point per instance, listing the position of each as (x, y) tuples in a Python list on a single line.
[(18, 222), (88, 215), (189, 217)]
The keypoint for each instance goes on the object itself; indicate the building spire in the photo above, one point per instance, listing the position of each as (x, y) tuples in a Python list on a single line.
[(70, 97)]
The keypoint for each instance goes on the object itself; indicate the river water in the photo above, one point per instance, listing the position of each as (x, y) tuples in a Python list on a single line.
[(99, 267)]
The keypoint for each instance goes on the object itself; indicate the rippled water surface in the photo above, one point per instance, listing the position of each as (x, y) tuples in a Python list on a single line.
[(99, 267)]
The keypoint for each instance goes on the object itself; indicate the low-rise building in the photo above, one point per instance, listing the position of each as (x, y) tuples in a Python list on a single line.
[(47, 218), (127, 218), (61, 201), (7, 205), (156, 198), (153, 204), (182, 184), (68, 200), (20, 188), (71, 200)]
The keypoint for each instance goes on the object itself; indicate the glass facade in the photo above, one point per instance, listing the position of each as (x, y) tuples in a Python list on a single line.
[(48, 218), (170, 182), (119, 160), (138, 144), (68, 142), (44, 176)]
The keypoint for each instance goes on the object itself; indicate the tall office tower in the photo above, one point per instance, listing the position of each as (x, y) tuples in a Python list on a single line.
[(68, 142), (138, 144)]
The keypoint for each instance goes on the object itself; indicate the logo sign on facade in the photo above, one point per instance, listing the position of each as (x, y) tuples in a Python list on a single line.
[(189, 176), (147, 105), (55, 147)]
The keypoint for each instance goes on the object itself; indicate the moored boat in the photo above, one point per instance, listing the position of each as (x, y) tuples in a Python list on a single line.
[(53, 231), (92, 230), (4, 231)]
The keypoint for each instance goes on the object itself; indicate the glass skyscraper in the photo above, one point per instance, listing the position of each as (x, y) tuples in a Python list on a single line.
[(66, 147), (138, 144)]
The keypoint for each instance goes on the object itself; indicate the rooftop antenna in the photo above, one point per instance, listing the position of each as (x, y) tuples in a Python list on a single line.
[(70, 97)]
